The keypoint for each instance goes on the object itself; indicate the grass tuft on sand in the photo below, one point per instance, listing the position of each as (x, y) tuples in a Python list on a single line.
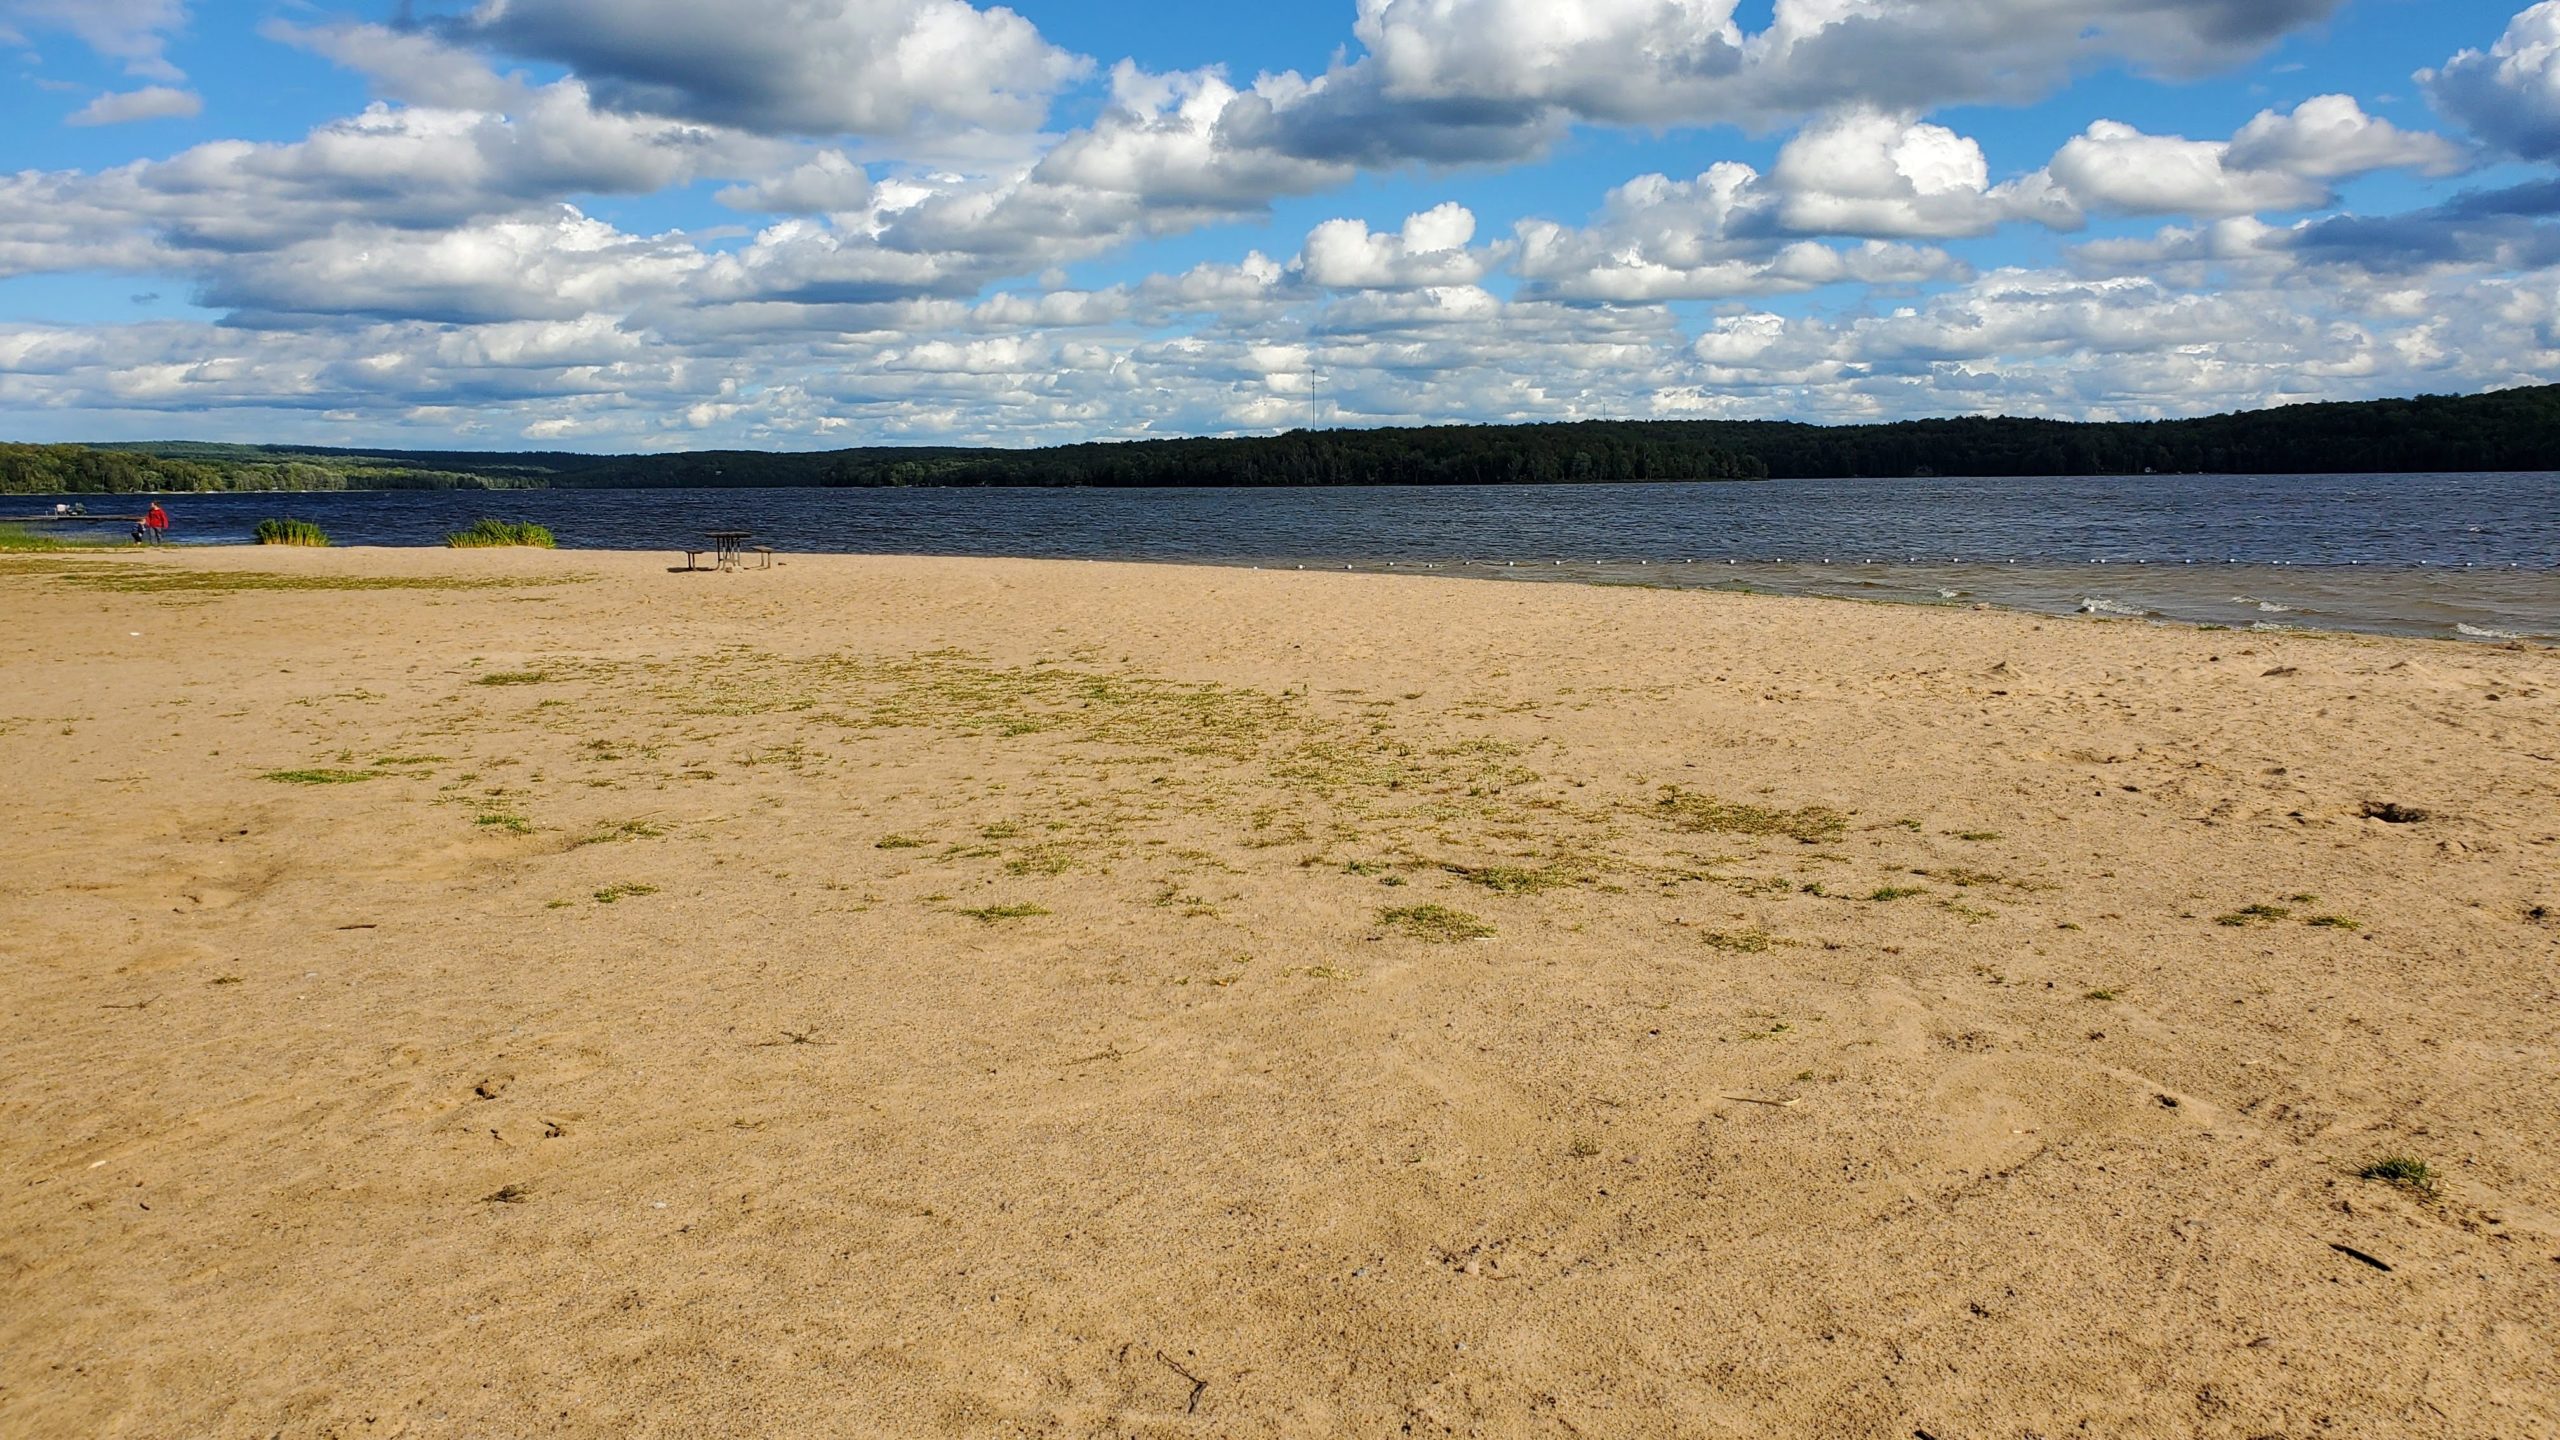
[(497, 534), (2406, 1172), (1707, 815), (292, 532), (1435, 923)]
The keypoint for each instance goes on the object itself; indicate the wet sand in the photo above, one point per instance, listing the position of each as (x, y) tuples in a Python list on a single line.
[(510, 993)]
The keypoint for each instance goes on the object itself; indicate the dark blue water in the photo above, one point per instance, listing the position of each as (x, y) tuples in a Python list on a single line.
[(2410, 553)]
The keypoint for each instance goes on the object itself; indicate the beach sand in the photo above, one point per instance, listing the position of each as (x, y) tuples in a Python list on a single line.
[(539, 994)]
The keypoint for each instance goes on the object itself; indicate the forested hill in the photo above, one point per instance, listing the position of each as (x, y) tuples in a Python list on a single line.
[(2507, 430)]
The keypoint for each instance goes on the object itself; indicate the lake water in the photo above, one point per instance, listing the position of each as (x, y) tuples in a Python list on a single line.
[(2474, 556)]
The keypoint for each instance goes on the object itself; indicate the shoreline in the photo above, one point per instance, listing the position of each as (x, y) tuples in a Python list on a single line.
[(2297, 599)]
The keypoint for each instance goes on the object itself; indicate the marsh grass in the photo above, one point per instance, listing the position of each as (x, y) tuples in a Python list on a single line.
[(992, 914), (1438, 924), (20, 539), (292, 532), (1705, 814), (493, 534), (613, 893)]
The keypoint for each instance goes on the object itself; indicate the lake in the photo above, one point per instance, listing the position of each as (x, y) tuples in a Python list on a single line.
[(2461, 556)]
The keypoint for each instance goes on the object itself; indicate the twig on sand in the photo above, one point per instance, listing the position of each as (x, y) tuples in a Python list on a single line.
[(1191, 1406), (1108, 1052), (366, 926), (1772, 1104), (2353, 1253), (794, 1037), (141, 1004)]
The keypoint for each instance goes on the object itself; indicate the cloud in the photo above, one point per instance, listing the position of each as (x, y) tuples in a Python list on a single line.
[(1431, 250), (410, 66), (151, 102), (793, 67), (2329, 137), (135, 32), (1864, 172), (563, 267), (827, 181), (2113, 166), (2275, 162), (1725, 233), (386, 167), (2510, 96), (1663, 61)]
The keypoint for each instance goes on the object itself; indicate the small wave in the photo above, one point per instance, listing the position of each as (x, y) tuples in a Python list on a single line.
[(2482, 632), (1950, 594), (2272, 625), (2095, 605), (2269, 607)]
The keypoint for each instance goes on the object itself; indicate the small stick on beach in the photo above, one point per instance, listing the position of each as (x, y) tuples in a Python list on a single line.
[(1192, 1406)]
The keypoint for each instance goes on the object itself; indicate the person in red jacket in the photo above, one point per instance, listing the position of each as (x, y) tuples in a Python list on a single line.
[(156, 521)]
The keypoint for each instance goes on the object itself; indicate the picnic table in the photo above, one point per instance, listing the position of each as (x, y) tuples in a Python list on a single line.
[(725, 545)]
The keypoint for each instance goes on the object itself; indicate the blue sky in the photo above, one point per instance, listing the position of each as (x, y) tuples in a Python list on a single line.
[(652, 224)]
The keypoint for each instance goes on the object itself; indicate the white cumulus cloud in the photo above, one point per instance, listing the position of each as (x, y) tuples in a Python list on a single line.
[(151, 102)]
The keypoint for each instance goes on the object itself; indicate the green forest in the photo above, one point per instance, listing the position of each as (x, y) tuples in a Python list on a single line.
[(2505, 430)]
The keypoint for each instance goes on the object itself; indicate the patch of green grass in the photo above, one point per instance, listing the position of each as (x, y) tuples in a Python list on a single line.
[(321, 777), (612, 893), (2333, 922), (615, 830), (1582, 1148), (292, 532), (1436, 923), (1895, 892), (490, 534), (990, 914), (1739, 942), (2254, 915), (1977, 836), (154, 580), (1964, 877), (502, 820), (1705, 814), (2099, 995), (389, 761), (2405, 1171), (513, 677), (897, 842), (20, 539)]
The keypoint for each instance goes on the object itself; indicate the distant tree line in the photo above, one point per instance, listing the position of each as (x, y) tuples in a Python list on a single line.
[(2508, 430), (123, 470)]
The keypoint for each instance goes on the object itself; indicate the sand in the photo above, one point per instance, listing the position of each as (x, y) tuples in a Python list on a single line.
[(909, 997)]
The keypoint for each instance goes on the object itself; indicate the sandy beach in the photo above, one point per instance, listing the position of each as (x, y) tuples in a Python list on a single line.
[(514, 993)]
